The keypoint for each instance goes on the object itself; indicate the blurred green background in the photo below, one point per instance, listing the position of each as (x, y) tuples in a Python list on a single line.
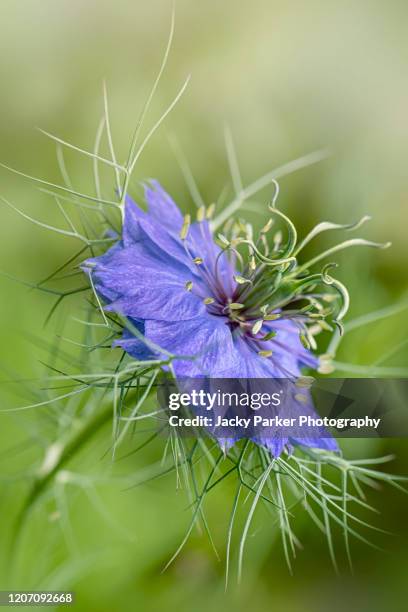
[(288, 78)]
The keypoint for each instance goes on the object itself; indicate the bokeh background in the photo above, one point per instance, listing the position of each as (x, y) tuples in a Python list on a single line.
[(288, 78)]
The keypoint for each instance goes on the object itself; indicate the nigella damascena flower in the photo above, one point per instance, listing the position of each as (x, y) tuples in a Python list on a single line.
[(182, 294)]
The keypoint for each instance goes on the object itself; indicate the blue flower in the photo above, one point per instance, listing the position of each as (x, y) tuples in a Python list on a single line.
[(183, 294)]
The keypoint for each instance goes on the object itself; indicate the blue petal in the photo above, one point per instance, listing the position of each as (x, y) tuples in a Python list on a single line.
[(138, 285), (170, 303), (274, 444), (165, 243), (134, 345), (162, 207), (315, 437), (252, 365), (325, 443), (159, 233), (288, 341), (141, 228), (200, 243), (131, 229), (204, 345)]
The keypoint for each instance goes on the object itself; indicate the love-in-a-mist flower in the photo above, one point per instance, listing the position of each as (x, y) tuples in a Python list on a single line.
[(217, 315)]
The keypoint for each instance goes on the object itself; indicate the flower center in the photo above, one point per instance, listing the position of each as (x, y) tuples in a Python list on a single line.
[(270, 284)]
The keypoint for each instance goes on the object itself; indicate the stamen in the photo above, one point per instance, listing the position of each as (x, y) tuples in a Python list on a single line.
[(236, 306), (269, 335), (249, 231), (189, 285), (315, 330), (198, 261), (242, 226), (265, 245), (272, 317), (185, 227), (228, 225), (329, 297), (241, 280), (301, 398), (277, 240), (312, 341), (235, 230), (257, 327), (305, 381), (265, 353), (267, 227), (325, 364), (304, 341), (201, 214), (223, 240), (209, 300), (324, 325), (210, 211), (307, 339)]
